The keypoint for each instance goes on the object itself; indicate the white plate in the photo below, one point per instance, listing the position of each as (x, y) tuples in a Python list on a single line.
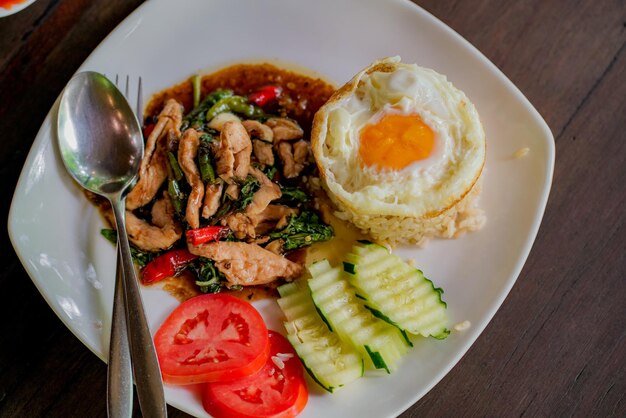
[(15, 8), (55, 231)]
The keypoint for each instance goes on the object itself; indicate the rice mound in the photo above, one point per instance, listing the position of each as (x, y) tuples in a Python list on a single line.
[(464, 216)]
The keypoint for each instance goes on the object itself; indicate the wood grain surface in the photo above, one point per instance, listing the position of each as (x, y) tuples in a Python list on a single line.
[(556, 347)]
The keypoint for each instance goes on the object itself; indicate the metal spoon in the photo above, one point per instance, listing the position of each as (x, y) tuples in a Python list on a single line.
[(101, 146), (119, 372)]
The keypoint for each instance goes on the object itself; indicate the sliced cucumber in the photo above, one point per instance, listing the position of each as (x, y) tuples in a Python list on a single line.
[(400, 292), (331, 362), (379, 342)]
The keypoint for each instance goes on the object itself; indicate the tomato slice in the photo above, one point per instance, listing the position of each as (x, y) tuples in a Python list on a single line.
[(272, 392), (208, 338)]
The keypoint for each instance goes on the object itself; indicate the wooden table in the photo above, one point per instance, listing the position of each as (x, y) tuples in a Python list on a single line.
[(555, 348)]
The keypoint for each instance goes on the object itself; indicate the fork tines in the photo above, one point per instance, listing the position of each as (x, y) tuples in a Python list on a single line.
[(139, 101)]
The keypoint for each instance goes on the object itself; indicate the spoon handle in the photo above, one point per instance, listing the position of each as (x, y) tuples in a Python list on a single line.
[(144, 359), (120, 373)]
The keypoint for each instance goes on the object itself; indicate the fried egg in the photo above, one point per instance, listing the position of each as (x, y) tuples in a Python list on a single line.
[(398, 140)]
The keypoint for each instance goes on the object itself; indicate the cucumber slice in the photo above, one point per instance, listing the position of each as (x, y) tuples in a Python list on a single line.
[(400, 292), (330, 362), (376, 340), (380, 315)]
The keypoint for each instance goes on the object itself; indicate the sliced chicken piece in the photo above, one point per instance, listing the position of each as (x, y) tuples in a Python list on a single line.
[(274, 213), (258, 130), (247, 264), (284, 129), (171, 117), (263, 152), (282, 222), (212, 196), (273, 217), (251, 226), (246, 226), (267, 192), (275, 246), (240, 224), (161, 234), (242, 163), (175, 113), (163, 212), (261, 240), (153, 168), (187, 151), (291, 168), (225, 162), (232, 191), (233, 154), (301, 152)]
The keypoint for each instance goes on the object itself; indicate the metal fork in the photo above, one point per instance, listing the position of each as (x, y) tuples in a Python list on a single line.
[(120, 370), (139, 105)]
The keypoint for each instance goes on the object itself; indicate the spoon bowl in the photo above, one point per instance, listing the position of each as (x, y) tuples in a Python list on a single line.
[(99, 136)]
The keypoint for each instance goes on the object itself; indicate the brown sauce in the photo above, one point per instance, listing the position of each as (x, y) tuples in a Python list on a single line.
[(301, 97), (183, 287)]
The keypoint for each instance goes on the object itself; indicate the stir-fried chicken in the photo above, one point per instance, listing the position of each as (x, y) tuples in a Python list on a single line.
[(212, 196), (153, 169), (273, 217), (225, 183), (284, 129), (291, 168), (251, 226), (258, 130), (232, 191), (275, 246), (187, 151), (240, 224), (267, 192), (243, 224), (301, 152), (247, 264), (263, 152), (233, 154), (161, 234)]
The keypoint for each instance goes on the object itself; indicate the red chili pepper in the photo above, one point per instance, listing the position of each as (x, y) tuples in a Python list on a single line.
[(166, 265), (208, 233), (147, 130), (264, 95)]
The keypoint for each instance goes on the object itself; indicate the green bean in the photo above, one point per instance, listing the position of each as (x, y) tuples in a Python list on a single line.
[(236, 104), (176, 171), (196, 117), (205, 164), (196, 82), (178, 197), (207, 173)]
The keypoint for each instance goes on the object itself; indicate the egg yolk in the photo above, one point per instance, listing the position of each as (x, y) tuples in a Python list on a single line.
[(396, 141)]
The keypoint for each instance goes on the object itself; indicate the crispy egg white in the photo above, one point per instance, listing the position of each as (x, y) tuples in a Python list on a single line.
[(398, 140)]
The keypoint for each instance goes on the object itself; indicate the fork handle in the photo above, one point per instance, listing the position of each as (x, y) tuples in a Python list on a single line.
[(144, 359), (120, 372)]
